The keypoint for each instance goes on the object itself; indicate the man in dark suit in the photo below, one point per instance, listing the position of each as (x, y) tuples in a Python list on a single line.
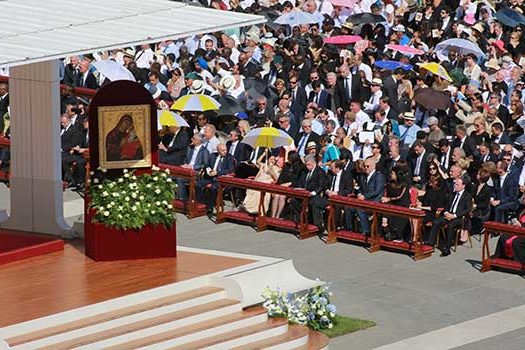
[(284, 124), (197, 157), (484, 155), (320, 96), (71, 72), (499, 136), (465, 142), (86, 79), (240, 151), (390, 87), (220, 163), (445, 155), (263, 112), (371, 188), (337, 185), (70, 137), (503, 111), (298, 97), (459, 206), (79, 151), (307, 135), (506, 192), (347, 89), (314, 181), (419, 163), (173, 146)]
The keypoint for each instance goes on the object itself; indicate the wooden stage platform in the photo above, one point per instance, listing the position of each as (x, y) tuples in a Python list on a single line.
[(67, 279)]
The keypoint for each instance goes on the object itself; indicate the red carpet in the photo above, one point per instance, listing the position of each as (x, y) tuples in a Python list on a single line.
[(17, 245)]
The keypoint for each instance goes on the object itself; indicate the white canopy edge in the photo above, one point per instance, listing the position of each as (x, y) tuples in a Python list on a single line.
[(34, 31)]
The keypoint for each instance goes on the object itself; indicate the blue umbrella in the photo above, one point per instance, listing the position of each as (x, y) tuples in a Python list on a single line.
[(391, 65), (510, 17)]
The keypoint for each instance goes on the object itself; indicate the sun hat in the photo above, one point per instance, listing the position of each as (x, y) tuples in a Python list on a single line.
[(197, 87)]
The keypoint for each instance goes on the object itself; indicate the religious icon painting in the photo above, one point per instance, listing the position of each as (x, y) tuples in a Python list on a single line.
[(124, 136)]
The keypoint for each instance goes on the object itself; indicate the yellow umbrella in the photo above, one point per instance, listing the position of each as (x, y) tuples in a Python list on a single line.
[(436, 69), (195, 103), (267, 137), (169, 118)]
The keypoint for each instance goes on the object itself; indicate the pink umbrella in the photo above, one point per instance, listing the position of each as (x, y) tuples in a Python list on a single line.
[(405, 49), (344, 3), (342, 39)]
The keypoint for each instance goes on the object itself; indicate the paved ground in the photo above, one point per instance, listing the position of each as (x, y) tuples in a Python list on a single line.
[(404, 297)]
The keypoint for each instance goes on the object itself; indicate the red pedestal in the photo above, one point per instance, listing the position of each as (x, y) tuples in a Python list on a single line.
[(104, 243)]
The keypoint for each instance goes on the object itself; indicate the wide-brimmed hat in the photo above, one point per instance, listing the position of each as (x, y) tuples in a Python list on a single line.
[(377, 82), (478, 27), (311, 145), (197, 87), (348, 25), (399, 28), (409, 116), (129, 52), (500, 45), (227, 82), (492, 63), (432, 121)]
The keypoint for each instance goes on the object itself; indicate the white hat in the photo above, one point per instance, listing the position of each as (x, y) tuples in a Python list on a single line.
[(197, 87), (432, 121), (399, 28), (227, 82), (377, 81), (129, 52), (409, 116)]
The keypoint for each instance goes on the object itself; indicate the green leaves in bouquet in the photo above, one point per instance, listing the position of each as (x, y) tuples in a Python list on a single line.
[(133, 201)]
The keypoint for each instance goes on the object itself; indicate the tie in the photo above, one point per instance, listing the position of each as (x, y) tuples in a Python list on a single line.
[(308, 178), (348, 87), (454, 204), (418, 166), (301, 144), (362, 152), (316, 100), (333, 183)]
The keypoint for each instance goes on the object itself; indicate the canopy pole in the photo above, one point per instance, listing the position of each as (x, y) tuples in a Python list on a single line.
[(37, 203)]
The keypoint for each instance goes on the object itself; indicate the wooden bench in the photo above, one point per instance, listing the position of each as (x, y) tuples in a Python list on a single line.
[(492, 227), (375, 241), (260, 220), (191, 208)]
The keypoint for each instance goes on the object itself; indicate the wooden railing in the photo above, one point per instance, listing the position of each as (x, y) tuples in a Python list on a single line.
[(191, 207), (487, 261), (260, 219), (375, 241)]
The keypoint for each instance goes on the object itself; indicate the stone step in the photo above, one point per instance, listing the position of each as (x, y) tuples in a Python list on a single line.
[(134, 326), (168, 336), (185, 299), (296, 336)]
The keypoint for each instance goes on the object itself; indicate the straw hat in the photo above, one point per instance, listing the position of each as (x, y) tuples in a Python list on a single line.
[(409, 116), (227, 82), (311, 145), (197, 87), (377, 82), (492, 63), (478, 27)]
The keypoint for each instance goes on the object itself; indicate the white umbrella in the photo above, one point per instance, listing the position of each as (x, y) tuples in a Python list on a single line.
[(295, 18), (113, 70), (462, 46)]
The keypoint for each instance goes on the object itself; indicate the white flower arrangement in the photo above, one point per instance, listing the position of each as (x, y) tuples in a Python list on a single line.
[(116, 202), (313, 309)]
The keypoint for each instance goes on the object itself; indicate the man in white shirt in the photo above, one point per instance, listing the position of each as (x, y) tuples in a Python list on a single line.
[(210, 140), (361, 116), (144, 57), (373, 103)]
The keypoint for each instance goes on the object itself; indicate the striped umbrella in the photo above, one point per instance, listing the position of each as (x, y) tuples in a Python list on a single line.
[(195, 103), (436, 69), (169, 118), (267, 137)]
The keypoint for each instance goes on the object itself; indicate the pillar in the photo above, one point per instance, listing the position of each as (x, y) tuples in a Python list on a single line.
[(36, 177)]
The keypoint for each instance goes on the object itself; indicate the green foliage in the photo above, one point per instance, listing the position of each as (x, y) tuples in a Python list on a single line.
[(133, 201)]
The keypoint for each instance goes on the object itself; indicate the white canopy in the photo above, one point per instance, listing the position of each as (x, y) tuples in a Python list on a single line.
[(35, 30)]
